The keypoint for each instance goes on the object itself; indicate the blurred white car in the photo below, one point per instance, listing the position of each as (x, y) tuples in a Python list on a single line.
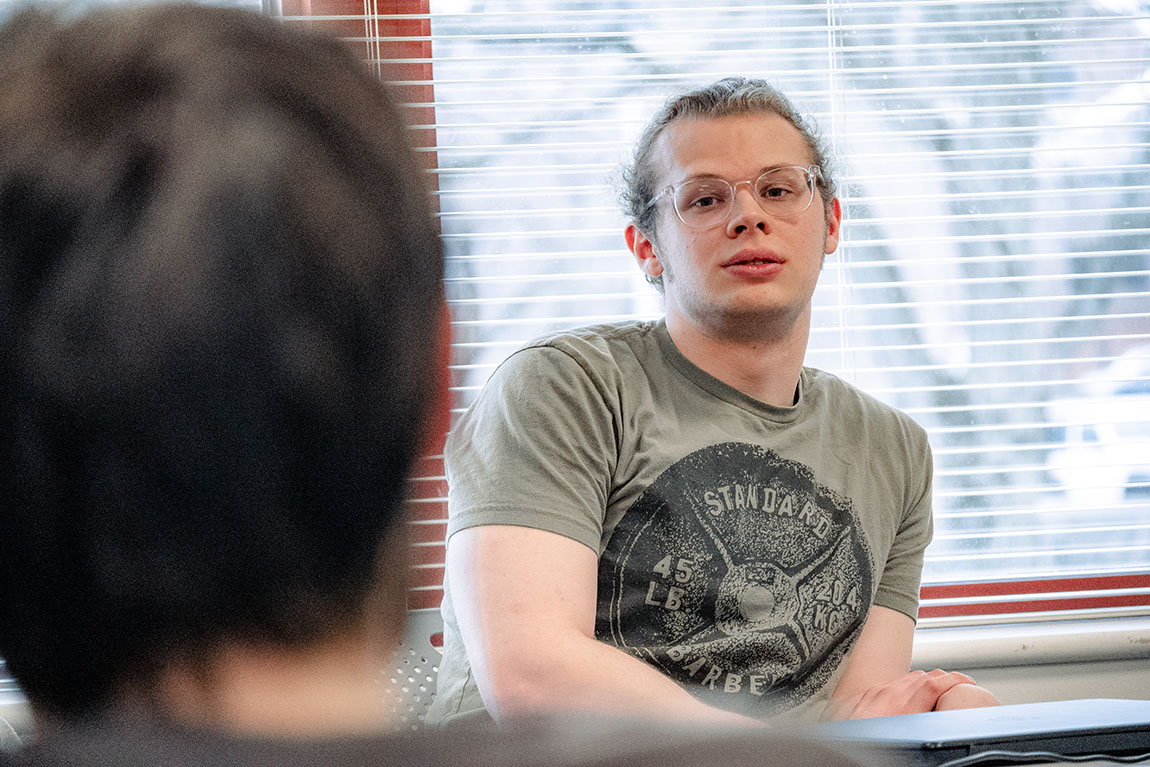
[(1107, 432)]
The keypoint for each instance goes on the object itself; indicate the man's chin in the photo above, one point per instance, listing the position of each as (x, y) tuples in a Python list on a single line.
[(761, 322)]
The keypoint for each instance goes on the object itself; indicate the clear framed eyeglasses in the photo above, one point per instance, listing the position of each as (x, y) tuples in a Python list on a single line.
[(701, 203)]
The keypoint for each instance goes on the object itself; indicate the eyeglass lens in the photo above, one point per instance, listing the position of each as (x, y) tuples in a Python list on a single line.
[(706, 202)]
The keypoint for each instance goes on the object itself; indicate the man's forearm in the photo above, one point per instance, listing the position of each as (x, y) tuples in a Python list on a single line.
[(525, 602), (581, 673)]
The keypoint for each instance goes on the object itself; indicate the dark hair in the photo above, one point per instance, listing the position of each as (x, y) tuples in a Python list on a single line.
[(219, 283), (724, 98)]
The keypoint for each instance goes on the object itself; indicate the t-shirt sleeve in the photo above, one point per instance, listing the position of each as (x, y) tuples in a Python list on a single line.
[(537, 449), (902, 575)]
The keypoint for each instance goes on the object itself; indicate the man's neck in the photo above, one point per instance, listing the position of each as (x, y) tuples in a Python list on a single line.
[(764, 365)]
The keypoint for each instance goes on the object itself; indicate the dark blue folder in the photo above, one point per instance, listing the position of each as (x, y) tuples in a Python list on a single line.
[(1104, 726)]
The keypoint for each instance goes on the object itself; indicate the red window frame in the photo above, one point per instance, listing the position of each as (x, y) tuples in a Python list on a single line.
[(1030, 596)]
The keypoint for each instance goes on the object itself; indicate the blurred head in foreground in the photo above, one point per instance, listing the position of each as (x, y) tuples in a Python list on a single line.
[(219, 285)]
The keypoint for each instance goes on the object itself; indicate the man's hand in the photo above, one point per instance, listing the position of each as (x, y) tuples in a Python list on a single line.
[(876, 681), (966, 696), (912, 693)]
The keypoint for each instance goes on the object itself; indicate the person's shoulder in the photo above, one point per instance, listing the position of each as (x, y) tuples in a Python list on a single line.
[(593, 346), (604, 337), (820, 383), (576, 740), (568, 741), (850, 402)]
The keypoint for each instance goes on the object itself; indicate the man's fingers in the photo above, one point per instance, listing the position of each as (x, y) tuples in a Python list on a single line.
[(912, 693), (965, 696), (916, 692), (936, 673)]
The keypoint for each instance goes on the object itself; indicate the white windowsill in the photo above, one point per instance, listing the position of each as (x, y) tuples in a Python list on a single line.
[(1032, 643)]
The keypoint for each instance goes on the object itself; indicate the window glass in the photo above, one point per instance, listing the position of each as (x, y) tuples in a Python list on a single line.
[(993, 280)]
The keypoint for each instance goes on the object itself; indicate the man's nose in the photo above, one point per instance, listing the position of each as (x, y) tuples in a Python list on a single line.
[(746, 213)]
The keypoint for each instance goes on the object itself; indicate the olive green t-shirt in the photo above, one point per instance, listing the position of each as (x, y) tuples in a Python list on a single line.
[(740, 544)]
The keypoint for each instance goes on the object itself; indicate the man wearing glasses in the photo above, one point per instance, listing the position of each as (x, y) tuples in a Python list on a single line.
[(677, 518)]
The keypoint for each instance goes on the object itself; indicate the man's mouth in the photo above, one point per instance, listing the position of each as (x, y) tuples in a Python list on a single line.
[(757, 258)]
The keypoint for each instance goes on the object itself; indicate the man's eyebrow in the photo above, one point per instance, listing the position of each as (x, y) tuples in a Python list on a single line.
[(759, 172), (696, 176)]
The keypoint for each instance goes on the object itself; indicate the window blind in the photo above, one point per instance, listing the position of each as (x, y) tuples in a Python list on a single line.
[(993, 279)]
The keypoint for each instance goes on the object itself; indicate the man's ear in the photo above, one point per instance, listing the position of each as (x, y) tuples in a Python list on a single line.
[(643, 248), (834, 223)]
